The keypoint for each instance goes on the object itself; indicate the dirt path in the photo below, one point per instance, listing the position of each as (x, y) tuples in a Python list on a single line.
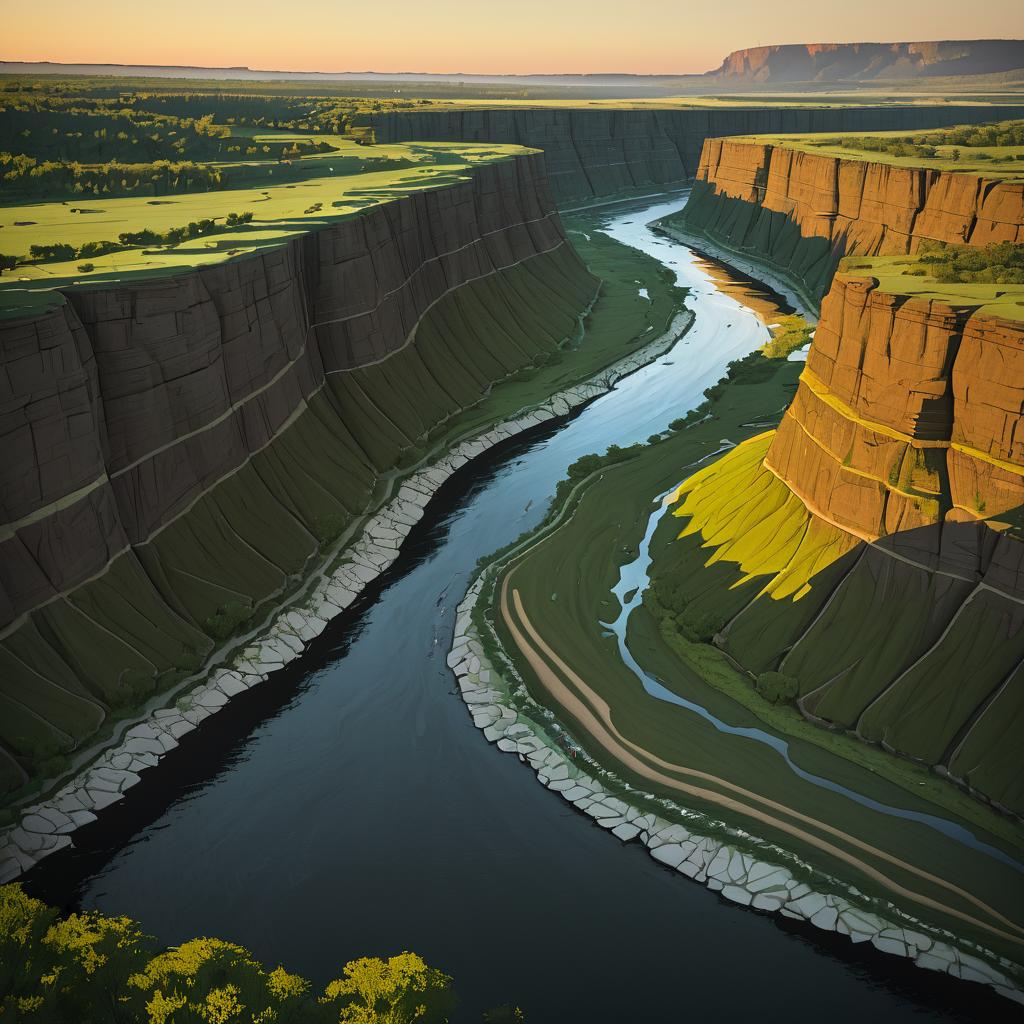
[(594, 715)]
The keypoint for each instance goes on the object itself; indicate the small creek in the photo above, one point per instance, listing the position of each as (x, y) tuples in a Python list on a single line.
[(349, 807)]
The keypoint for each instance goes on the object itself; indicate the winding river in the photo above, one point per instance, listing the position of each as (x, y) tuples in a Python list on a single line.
[(349, 807)]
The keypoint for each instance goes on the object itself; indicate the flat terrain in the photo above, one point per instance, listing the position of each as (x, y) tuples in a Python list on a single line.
[(907, 275), (992, 162), (339, 186)]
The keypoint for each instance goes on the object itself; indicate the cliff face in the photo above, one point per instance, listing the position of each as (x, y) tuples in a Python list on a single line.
[(802, 212), (838, 62), (602, 152), (176, 451), (884, 514)]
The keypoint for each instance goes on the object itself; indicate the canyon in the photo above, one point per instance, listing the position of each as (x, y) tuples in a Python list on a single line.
[(604, 152)]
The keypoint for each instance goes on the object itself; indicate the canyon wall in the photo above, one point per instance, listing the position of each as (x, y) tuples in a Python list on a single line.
[(875, 537), (802, 212), (177, 451), (600, 152)]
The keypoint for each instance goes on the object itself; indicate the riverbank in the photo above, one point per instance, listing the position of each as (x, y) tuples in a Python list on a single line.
[(47, 826), (785, 285), (522, 715)]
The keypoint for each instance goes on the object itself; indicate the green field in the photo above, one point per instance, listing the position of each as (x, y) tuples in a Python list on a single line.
[(347, 184), (564, 582), (908, 275), (992, 162)]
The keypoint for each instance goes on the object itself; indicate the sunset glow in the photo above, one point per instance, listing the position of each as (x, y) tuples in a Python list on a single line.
[(532, 36)]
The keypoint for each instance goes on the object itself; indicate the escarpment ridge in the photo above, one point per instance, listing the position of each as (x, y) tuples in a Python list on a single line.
[(597, 152), (802, 212), (846, 62), (873, 540), (178, 450)]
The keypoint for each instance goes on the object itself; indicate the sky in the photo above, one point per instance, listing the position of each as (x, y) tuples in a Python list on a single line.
[(473, 36)]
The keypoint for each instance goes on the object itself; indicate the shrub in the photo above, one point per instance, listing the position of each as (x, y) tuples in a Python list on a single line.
[(90, 967), (776, 687), (86, 268)]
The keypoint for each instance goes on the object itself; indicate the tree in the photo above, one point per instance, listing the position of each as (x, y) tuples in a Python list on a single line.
[(776, 687), (7, 262)]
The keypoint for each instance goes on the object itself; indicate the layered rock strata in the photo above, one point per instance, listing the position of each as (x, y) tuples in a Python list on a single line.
[(892, 590), (800, 213), (47, 827), (177, 451), (608, 151)]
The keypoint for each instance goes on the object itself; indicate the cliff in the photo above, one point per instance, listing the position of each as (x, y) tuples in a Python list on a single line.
[(596, 152), (802, 212), (846, 62), (870, 548), (178, 450)]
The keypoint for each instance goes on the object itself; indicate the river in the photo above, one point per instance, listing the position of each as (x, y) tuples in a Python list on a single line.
[(348, 806)]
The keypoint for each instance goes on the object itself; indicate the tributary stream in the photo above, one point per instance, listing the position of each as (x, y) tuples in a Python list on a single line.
[(349, 807)]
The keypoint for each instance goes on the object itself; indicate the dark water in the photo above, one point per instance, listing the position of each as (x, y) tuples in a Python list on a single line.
[(349, 807)]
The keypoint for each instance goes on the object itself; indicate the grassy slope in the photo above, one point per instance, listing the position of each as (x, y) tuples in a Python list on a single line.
[(159, 610), (565, 585)]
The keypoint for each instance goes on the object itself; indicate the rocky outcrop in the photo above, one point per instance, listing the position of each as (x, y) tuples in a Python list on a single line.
[(891, 591), (607, 151), (846, 62), (908, 414), (179, 450), (802, 212)]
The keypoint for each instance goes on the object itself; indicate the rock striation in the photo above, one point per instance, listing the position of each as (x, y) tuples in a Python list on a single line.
[(898, 604), (177, 451), (802, 212), (607, 151)]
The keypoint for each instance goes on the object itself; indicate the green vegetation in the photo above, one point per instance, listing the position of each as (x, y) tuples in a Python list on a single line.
[(79, 665), (791, 334), (353, 180), (578, 558), (934, 143), (91, 968), (995, 150), (989, 278)]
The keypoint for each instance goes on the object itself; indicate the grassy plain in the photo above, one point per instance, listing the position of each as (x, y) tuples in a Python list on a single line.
[(992, 162), (344, 183), (907, 275)]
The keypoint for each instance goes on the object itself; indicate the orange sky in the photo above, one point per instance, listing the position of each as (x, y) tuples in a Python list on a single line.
[(645, 36)]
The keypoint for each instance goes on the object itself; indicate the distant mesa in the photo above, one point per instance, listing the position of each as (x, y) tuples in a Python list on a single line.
[(845, 62)]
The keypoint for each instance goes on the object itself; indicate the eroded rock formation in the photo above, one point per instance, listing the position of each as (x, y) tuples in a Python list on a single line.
[(177, 450), (802, 212), (892, 590), (602, 152), (839, 62)]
